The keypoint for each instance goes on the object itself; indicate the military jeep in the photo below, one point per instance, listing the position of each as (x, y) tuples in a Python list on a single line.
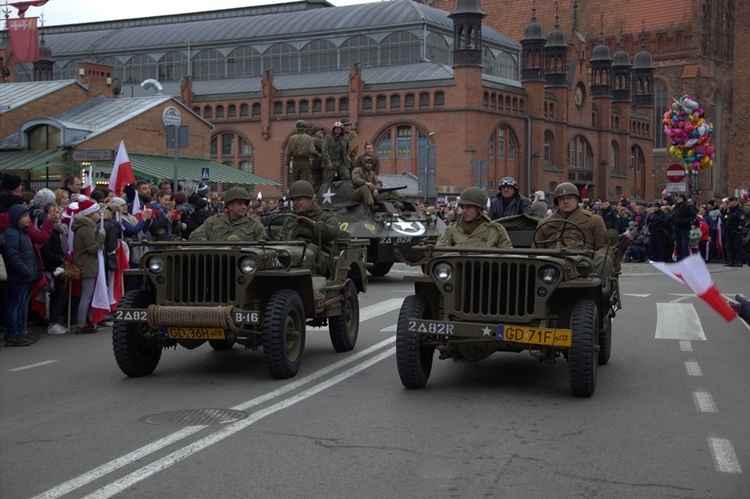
[(471, 302), (256, 294)]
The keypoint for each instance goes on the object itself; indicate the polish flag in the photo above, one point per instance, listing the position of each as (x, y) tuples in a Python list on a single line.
[(260, 196), (585, 190), (719, 237), (122, 172), (137, 210), (88, 186), (692, 272), (100, 300)]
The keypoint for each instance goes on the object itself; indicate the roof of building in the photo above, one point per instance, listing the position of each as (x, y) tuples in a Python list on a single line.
[(15, 95), (243, 28)]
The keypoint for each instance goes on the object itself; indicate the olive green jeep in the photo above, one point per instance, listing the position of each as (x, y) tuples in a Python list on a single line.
[(256, 294), (471, 302)]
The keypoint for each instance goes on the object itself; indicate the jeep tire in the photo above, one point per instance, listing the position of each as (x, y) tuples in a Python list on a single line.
[(135, 354), (414, 359), (283, 333), (344, 328), (582, 356), (605, 342), (380, 269)]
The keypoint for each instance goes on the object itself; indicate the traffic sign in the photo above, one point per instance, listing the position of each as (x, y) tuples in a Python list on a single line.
[(204, 174), (675, 172), (171, 116), (676, 187)]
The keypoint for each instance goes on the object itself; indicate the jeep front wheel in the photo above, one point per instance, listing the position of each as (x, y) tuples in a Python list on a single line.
[(605, 342), (344, 328), (135, 352), (414, 359), (582, 356), (284, 334), (380, 269)]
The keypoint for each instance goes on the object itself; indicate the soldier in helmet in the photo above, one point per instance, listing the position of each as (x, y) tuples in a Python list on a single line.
[(312, 224), (299, 148), (316, 161), (234, 223), (508, 201), (365, 184), (475, 228), (336, 155), (591, 226), (353, 139)]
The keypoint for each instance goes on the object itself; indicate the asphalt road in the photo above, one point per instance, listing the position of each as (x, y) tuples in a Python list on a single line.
[(668, 419)]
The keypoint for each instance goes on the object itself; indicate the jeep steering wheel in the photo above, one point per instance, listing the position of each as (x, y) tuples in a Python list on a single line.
[(560, 236), (274, 229)]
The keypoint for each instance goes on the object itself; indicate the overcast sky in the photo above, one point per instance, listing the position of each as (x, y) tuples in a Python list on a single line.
[(58, 12)]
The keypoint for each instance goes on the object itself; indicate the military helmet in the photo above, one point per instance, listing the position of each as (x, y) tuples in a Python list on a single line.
[(315, 128), (236, 193), (338, 124), (474, 196), (566, 189), (509, 181), (300, 125), (368, 159), (301, 188)]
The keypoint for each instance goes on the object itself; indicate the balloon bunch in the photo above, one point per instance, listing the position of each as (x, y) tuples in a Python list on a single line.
[(689, 133)]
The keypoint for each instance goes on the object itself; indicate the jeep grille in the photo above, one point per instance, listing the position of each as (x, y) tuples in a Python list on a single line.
[(201, 278), (489, 288)]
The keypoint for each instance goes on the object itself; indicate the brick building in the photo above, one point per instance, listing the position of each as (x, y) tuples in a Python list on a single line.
[(556, 105)]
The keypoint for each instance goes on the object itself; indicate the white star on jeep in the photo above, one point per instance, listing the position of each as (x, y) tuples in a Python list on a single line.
[(486, 331), (405, 226), (327, 195)]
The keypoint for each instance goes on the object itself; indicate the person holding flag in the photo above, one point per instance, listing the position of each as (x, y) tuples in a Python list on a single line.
[(122, 172), (87, 242)]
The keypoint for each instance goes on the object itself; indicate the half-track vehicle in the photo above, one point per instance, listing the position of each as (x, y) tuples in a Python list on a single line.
[(255, 294), (393, 228), (471, 302)]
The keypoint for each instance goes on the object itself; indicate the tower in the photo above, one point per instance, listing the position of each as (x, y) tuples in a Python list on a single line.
[(621, 71), (601, 70), (556, 56), (467, 33), (643, 76), (532, 48)]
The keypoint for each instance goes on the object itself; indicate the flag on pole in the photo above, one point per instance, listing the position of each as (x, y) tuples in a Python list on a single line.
[(24, 39), (692, 272), (122, 172), (24, 6), (100, 300), (719, 242), (88, 185), (585, 190), (260, 196)]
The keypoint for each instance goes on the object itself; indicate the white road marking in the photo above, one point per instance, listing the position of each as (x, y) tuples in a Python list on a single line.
[(31, 366), (724, 456), (693, 369), (389, 329), (678, 321), (686, 346), (229, 430), (366, 313), (704, 402), (638, 295)]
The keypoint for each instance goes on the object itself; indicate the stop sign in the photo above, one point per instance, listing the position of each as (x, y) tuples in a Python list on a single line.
[(675, 173)]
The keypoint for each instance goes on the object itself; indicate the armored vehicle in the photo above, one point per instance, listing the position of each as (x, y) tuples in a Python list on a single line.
[(471, 302), (256, 294), (393, 227)]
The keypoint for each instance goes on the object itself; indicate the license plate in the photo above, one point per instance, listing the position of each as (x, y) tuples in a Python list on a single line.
[(535, 336), (194, 333)]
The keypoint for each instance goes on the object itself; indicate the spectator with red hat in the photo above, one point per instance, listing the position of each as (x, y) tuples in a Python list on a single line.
[(87, 241)]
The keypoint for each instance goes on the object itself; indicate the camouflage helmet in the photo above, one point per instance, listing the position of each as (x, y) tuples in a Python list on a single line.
[(236, 193), (300, 125), (301, 188), (474, 196), (338, 124), (566, 189)]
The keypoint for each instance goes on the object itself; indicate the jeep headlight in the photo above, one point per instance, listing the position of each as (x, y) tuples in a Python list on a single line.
[(584, 266), (443, 271), (248, 265), (549, 275), (155, 264)]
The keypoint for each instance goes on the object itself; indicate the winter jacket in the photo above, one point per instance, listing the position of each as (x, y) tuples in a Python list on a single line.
[(487, 234), (500, 208), (86, 243), (22, 260)]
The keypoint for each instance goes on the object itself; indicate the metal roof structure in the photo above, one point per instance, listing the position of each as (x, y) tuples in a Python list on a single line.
[(30, 160), (159, 167), (15, 95)]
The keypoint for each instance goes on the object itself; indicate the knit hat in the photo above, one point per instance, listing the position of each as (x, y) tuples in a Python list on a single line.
[(11, 182), (638, 220), (202, 189), (87, 207), (43, 198)]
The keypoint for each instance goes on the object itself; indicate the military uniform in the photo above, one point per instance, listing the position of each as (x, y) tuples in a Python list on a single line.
[(375, 162), (483, 232), (591, 225), (353, 139), (298, 151), (220, 228), (361, 192), (324, 229), (336, 152), (316, 163)]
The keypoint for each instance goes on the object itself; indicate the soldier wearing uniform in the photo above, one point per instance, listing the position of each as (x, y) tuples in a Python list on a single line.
[(475, 228), (592, 228), (312, 224), (298, 151), (370, 152), (336, 155), (234, 223), (365, 184), (735, 222), (353, 139), (316, 161)]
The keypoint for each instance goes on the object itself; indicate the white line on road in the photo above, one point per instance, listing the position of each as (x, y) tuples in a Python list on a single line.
[(229, 430), (678, 321), (693, 369), (724, 456), (366, 313), (31, 366), (686, 346), (638, 295), (704, 402)]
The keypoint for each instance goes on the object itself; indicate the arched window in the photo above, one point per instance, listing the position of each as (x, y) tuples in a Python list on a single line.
[(244, 61), (256, 109), (208, 112), (367, 103), (637, 160), (209, 65), (330, 105), (549, 147), (317, 56), (660, 107), (439, 99), (244, 109), (438, 49), (233, 150), (614, 154), (579, 153), (291, 107), (219, 111), (282, 58), (398, 148), (343, 103), (400, 47), (231, 111), (139, 68), (359, 50), (173, 67), (304, 106), (424, 99), (501, 152), (71, 68), (395, 101)]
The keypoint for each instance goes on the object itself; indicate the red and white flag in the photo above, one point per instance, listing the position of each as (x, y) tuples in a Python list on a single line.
[(260, 196), (24, 39), (122, 172), (585, 190), (719, 237), (88, 185), (693, 273)]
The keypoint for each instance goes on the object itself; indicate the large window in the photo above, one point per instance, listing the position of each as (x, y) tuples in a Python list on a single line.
[(359, 49), (549, 147), (139, 69), (172, 67), (209, 65), (614, 154), (398, 148), (579, 153), (235, 150), (44, 137), (244, 61), (401, 47), (660, 104), (438, 49), (318, 55), (501, 152), (282, 58)]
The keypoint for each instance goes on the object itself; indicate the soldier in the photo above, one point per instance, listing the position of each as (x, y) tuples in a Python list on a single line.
[(336, 155), (475, 228), (591, 226), (312, 224), (735, 222), (353, 139), (365, 184), (234, 223), (299, 148), (370, 151), (508, 201), (316, 162)]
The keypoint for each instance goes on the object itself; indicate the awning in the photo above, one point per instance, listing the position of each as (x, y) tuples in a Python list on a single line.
[(31, 160), (162, 167)]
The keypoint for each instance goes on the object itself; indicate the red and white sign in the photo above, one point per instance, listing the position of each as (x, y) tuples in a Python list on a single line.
[(675, 172)]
